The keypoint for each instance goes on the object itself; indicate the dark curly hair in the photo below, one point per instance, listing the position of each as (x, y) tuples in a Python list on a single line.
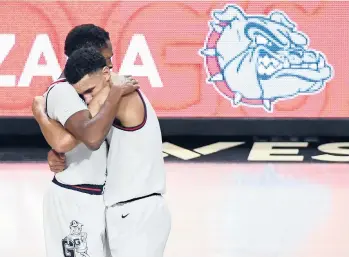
[(85, 35), (82, 62)]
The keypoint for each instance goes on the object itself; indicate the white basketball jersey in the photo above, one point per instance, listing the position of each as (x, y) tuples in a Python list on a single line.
[(135, 163), (83, 165)]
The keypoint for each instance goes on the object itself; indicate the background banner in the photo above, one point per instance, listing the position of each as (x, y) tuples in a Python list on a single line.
[(193, 59)]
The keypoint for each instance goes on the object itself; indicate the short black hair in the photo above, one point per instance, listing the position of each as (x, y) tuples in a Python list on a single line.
[(85, 35), (82, 62)]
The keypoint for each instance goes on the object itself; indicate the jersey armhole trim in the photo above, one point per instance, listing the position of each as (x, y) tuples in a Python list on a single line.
[(52, 86), (116, 122)]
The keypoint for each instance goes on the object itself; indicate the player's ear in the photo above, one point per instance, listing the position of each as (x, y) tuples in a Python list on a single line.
[(106, 73)]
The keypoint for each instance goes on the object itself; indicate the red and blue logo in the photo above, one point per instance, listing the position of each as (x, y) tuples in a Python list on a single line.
[(257, 60)]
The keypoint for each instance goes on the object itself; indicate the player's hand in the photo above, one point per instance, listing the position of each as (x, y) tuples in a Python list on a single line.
[(123, 84), (129, 85), (119, 80), (38, 106), (56, 161)]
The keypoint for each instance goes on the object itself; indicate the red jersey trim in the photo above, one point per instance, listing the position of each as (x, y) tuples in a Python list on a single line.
[(116, 122)]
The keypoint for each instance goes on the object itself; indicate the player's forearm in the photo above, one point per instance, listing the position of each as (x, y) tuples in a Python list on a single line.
[(96, 129), (55, 135)]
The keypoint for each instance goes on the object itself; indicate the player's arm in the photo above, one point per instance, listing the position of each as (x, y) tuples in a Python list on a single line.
[(131, 112), (94, 107), (97, 102), (93, 130), (67, 107), (55, 135)]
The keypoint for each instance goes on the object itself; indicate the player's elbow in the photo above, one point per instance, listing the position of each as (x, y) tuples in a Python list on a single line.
[(65, 144), (62, 147), (93, 144), (55, 144), (92, 139)]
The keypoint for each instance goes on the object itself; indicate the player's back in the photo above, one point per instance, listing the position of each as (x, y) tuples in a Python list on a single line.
[(83, 165), (135, 163)]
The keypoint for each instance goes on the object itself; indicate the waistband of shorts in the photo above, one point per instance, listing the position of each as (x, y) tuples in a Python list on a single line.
[(82, 188), (136, 199)]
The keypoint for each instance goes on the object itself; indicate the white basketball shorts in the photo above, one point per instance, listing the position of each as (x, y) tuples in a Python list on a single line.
[(138, 228), (74, 221)]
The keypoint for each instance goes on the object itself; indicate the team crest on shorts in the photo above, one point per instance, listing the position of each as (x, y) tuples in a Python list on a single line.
[(75, 244), (257, 60)]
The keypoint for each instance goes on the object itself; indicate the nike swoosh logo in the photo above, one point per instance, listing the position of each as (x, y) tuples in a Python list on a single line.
[(124, 216)]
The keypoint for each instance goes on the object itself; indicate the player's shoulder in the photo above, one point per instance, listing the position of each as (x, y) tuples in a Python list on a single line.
[(59, 85), (59, 88), (134, 100)]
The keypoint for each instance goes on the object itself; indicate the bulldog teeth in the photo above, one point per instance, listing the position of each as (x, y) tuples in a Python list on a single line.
[(286, 64), (270, 70), (209, 52), (268, 62), (275, 62), (216, 27), (265, 60), (267, 104), (237, 98), (217, 77), (265, 71), (268, 66), (261, 69)]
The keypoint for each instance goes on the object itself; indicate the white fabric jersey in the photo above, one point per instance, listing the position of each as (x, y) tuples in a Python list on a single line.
[(83, 165), (135, 163)]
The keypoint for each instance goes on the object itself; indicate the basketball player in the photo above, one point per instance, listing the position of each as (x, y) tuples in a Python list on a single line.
[(74, 210), (138, 221)]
